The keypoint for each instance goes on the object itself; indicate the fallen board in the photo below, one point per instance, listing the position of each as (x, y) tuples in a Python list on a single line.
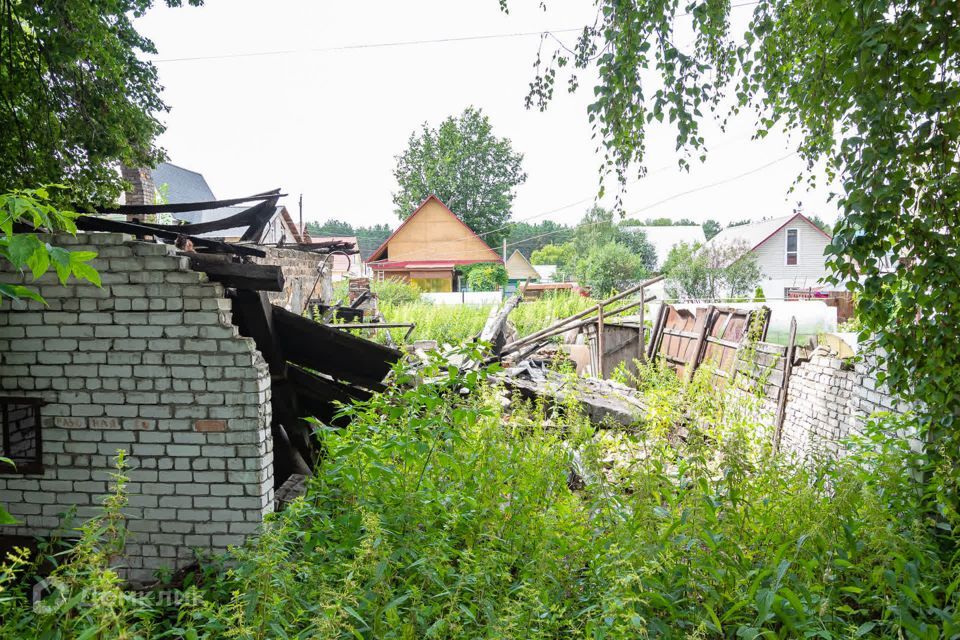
[(605, 403), (336, 353)]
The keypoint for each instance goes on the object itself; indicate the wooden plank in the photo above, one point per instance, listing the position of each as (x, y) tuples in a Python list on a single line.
[(533, 337), (338, 354), (782, 404), (695, 355), (253, 315), (183, 207), (93, 223), (241, 275)]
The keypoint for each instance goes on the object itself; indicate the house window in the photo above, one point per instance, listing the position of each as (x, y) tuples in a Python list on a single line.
[(20, 436), (793, 242)]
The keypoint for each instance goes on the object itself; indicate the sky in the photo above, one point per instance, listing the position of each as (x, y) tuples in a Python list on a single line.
[(291, 94)]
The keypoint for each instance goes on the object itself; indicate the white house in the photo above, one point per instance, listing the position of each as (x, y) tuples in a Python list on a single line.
[(789, 251), (664, 238)]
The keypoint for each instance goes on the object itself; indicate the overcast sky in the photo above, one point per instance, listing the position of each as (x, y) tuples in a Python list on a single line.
[(322, 117)]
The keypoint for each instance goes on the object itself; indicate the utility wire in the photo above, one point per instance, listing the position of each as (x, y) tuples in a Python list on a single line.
[(644, 208), (367, 45), (398, 43)]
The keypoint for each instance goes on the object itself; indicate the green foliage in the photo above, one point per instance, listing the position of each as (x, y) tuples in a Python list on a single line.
[(76, 96), (602, 254), (872, 90), (711, 228), (529, 238), (458, 323), (608, 268), (758, 295), (394, 291), (26, 252), (464, 164), (485, 276), (440, 514), (561, 255), (709, 273)]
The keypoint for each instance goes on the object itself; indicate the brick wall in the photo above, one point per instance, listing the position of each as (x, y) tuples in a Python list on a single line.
[(829, 399), (149, 363), (300, 277)]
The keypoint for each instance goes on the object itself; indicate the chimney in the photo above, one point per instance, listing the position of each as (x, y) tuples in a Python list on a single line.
[(141, 186)]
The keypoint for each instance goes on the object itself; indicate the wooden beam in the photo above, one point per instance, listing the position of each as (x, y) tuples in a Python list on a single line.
[(533, 337), (492, 331), (253, 315), (241, 275), (782, 400), (339, 354), (93, 223)]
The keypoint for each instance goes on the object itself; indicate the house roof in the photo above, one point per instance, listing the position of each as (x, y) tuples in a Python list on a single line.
[(405, 265), (183, 185), (756, 233), (378, 254), (664, 238), (519, 268), (341, 263), (546, 271)]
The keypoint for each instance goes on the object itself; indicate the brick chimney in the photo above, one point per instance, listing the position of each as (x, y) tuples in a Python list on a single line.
[(141, 186)]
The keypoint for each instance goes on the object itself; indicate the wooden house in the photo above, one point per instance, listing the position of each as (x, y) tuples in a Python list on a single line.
[(520, 270), (428, 247)]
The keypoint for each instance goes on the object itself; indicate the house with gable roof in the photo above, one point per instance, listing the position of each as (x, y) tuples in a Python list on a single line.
[(428, 247), (789, 251)]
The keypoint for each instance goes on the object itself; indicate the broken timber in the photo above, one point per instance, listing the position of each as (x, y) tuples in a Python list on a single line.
[(603, 401), (241, 275), (493, 331)]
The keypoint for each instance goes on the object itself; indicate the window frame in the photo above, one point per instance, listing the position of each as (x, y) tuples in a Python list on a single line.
[(30, 467), (786, 247)]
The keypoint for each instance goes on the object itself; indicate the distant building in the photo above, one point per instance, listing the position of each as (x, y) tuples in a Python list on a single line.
[(666, 238), (519, 269), (175, 185), (343, 265), (789, 251), (548, 272), (428, 247)]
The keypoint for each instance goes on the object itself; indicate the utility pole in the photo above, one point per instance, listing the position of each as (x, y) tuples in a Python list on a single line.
[(301, 216), (504, 251)]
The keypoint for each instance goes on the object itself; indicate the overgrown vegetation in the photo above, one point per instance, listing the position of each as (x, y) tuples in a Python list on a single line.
[(459, 323), (872, 91), (440, 514)]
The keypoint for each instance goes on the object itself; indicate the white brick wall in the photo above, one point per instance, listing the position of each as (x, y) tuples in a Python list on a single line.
[(828, 400), (149, 363)]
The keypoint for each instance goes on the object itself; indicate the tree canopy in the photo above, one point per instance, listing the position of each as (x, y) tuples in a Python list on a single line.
[(463, 163), (873, 90), (76, 99)]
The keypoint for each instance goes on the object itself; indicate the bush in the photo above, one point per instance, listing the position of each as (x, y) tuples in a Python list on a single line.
[(486, 276), (395, 291)]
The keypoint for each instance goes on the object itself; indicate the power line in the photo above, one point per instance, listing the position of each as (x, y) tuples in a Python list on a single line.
[(368, 45), (396, 43), (672, 197)]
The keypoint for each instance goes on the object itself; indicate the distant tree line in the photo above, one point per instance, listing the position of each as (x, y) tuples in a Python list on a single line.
[(369, 237)]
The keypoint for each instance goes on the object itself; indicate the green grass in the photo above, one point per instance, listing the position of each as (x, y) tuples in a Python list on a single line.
[(455, 324)]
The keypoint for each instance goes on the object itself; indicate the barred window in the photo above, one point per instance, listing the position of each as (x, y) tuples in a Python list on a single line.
[(21, 435)]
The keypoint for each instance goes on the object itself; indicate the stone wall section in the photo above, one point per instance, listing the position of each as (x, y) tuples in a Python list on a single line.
[(149, 363), (300, 269), (830, 399)]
